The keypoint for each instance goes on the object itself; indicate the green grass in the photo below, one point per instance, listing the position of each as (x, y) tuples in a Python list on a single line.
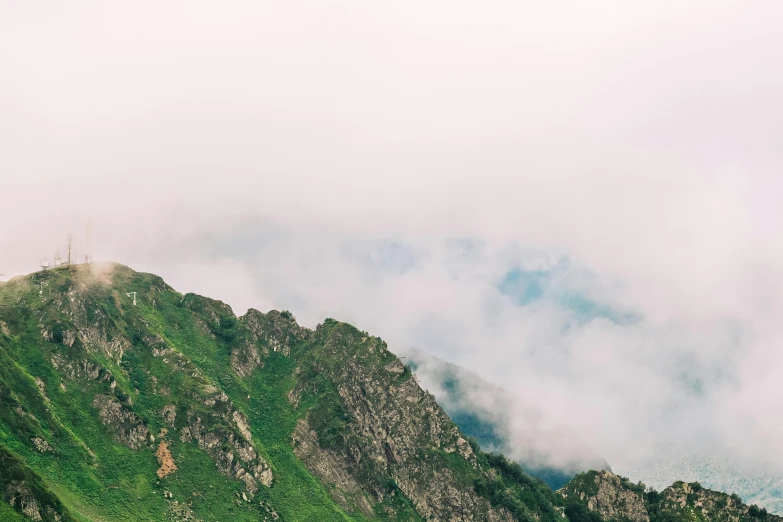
[(119, 483), (8, 514)]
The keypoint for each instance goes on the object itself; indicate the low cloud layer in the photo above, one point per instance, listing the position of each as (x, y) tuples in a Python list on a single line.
[(579, 203)]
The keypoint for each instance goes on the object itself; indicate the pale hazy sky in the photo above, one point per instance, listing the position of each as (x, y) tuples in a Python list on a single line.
[(419, 168)]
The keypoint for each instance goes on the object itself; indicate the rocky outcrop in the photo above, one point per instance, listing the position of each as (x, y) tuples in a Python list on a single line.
[(611, 496), (393, 431), (83, 369), (234, 456), (278, 330), (41, 445), (331, 469), (694, 501), (169, 414), (97, 339), (274, 331), (246, 357), (123, 423), (18, 495)]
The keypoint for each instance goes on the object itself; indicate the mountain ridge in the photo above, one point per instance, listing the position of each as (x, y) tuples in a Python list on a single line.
[(122, 399), (607, 496)]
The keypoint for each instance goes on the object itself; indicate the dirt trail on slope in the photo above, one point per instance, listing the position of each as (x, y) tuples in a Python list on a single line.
[(165, 459)]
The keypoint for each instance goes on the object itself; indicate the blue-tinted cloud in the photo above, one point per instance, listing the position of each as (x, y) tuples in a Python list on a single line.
[(528, 286), (380, 257), (525, 286)]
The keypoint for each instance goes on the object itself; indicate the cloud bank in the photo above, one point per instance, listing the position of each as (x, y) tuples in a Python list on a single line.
[(579, 203)]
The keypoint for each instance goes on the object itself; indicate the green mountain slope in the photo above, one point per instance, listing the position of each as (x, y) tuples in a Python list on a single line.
[(172, 408)]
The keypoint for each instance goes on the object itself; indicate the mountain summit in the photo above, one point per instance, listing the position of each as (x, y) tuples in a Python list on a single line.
[(122, 399)]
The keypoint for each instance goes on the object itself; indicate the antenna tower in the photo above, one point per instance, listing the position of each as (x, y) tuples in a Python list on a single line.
[(88, 244), (70, 244)]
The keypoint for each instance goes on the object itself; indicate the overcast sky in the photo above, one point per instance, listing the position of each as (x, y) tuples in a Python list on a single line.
[(579, 201)]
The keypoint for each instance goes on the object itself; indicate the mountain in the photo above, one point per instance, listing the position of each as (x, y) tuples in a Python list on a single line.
[(716, 469), (601, 495), (124, 400), (121, 399), (500, 423)]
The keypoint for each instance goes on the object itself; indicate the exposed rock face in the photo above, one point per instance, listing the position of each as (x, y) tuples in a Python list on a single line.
[(169, 414), (245, 359), (240, 421), (127, 427), (330, 468), (99, 340), (609, 496), (41, 445), (394, 431), (239, 460), (17, 494), (275, 331), (83, 369)]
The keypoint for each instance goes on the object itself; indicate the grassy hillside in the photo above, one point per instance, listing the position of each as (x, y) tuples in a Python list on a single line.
[(71, 337), (173, 408)]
